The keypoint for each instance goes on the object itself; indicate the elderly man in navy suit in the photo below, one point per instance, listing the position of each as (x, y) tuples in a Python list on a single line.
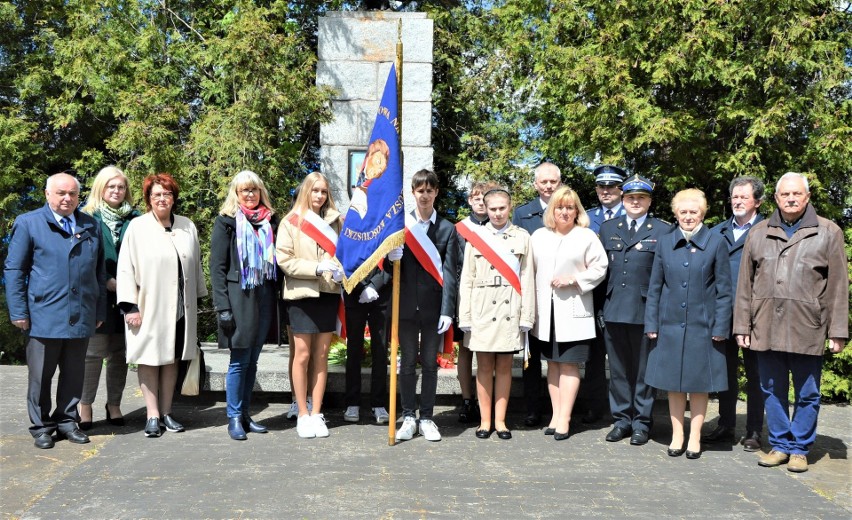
[(746, 197), (630, 243), (547, 179), (56, 291)]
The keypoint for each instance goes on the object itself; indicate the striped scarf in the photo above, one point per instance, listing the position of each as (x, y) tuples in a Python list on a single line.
[(255, 246)]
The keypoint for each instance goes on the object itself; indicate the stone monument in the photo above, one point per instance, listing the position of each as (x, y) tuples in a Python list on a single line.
[(356, 51)]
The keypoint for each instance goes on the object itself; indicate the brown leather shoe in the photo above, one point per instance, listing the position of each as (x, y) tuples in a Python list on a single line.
[(772, 459), (798, 463), (751, 442)]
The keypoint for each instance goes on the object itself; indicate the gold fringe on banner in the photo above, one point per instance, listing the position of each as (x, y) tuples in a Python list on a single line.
[(392, 242)]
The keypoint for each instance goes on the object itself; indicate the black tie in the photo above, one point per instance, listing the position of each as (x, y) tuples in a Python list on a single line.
[(608, 214), (632, 228)]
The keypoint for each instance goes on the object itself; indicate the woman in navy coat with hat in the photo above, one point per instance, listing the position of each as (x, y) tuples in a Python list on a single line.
[(688, 312)]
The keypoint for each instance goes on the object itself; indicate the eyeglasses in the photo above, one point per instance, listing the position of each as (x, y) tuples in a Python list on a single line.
[(163, 195), (117, 187), (245, 192)]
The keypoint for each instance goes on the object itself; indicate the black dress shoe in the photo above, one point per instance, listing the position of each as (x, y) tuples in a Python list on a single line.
[(252, 426), (235, 428), (532, 419), (549, 431), (469, 411), (561, 436), (86, 425), (676, 453), (590, 417), (751, 442), (75, 436), (617, 433), (483, 434), (44, 441), (504, 434), (115, 421), (692, 455), (152, 427), (171, 424), (720, 434), (639, 438)]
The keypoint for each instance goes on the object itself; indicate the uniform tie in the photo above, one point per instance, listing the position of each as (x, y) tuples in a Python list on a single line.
[(608, 214), (66, 224), (632, 228)]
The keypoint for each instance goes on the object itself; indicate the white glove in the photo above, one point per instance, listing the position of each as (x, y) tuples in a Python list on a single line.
[(337, 275), (466, 330), (444, 323), (525, 329), (327, 266), (369, 294), (395, 254)]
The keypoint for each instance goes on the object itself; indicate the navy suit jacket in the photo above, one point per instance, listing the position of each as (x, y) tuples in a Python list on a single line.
[(422, 294), (630, 263), (529, 216), (735, 247), (56, 280)]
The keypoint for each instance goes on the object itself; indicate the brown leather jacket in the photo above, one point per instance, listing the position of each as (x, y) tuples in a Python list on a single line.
[(793, 293)]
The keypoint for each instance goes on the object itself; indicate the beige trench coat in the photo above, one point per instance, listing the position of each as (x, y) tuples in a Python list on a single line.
[(488, 305), (299, 255), (579, 254), (148, 277)]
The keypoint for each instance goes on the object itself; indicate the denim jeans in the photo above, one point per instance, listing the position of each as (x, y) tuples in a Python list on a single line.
[(242, 368), (790, 435)]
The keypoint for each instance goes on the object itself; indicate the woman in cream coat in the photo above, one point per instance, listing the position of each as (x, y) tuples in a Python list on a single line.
[(158, 284), (494, 314), (312, 291), (569, 263)]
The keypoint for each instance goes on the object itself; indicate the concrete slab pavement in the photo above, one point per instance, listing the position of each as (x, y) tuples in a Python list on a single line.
[(354, 473)]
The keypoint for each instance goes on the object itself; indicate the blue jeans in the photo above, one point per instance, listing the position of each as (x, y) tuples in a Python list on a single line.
[(242, 369), (790, 435)]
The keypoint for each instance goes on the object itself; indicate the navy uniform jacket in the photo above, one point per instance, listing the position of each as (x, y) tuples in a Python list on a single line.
[(735, 247), (380, 279), (420, 293), (529, 216), (630, 263), (56, 280), (597, 216), (689, 302)]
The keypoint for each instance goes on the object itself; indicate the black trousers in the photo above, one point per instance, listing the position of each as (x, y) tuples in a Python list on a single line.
[(374, 314), (532, 377), (630, 399), (594, 392), (44, 356), (754, 395)]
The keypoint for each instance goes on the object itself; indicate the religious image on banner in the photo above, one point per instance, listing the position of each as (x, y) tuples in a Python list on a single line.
[(374, 223)]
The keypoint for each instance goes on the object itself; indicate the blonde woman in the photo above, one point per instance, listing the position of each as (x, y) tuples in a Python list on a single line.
[(243, 275), (305, 250), (111, 203)]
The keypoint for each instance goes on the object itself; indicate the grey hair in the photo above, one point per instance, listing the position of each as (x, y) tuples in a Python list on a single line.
[(758, 189), (546, 165), (49, 183), (794, 175)]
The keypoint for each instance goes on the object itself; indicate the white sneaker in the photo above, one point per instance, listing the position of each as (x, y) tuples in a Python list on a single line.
[(429, 430), (352, 414), (305, 427), (407, 430), (381, 415), (320, 429), (293, 412)]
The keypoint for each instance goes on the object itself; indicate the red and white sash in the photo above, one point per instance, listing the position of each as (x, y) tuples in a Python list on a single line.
[(506, 263), (324, 235), (424, 250)]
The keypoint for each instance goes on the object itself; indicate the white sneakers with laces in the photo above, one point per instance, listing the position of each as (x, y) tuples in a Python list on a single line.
[(305, 427), (320, 429), (382, 416), (407, 430), (429, 430)]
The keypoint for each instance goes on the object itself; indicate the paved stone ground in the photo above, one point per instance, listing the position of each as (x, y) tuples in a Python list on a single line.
[(355, 474)]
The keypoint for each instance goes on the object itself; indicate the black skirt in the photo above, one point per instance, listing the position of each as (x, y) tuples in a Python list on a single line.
[(563, 352), (313, 315)]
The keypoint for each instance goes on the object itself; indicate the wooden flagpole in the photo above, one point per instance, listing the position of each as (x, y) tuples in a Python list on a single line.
[(396, 265)]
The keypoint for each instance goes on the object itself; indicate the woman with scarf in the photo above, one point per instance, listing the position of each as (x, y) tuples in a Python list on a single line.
[(243, 273), (111, 204)]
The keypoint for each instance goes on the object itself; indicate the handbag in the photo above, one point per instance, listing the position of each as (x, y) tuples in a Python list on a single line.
[(192, 382)]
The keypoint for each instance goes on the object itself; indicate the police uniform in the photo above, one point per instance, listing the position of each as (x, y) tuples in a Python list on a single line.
[(606, 175), (630, 261)]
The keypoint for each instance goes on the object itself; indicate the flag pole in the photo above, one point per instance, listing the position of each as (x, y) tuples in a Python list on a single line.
[(396, 265)]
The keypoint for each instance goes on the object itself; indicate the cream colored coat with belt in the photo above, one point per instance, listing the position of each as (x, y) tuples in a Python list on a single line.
[(148, 277), (299, 255), (488, 305), (578, 254)]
